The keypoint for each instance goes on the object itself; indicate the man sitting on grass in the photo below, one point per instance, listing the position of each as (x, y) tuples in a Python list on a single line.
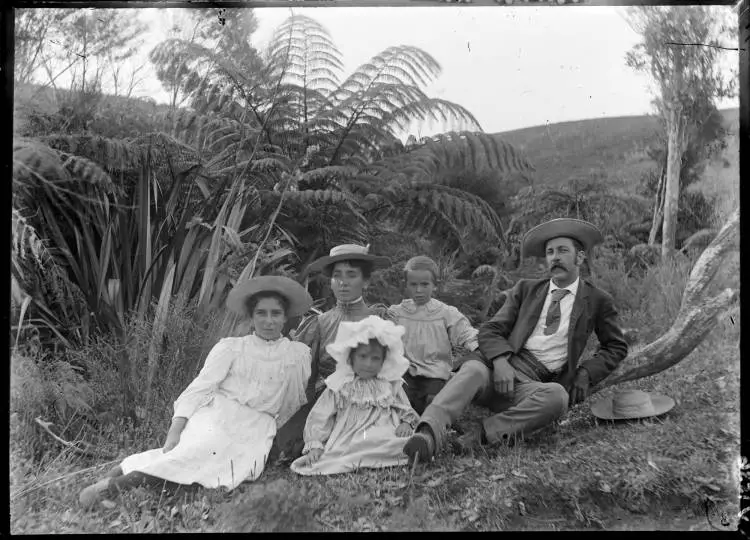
[(526, 368)]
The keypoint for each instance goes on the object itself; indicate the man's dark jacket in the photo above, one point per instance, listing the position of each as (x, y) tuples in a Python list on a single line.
[(593, 310)]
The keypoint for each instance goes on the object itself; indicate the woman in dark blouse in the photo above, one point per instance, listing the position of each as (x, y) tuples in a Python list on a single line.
[(349, 266)]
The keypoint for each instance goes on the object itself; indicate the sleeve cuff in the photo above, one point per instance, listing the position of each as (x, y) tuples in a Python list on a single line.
[(186, 408), (183, 411)]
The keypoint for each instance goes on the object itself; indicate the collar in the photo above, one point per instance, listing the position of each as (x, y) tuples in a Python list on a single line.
[(265, 342), (572, 288), (410, 306), (354, 305), (345, 374)]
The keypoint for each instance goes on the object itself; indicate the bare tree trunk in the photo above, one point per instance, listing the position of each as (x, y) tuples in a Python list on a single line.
[(658, 219), (697, 315), (672, 188)]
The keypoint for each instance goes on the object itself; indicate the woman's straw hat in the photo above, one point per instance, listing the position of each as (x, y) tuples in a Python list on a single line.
[(299, 299), (346, 252)]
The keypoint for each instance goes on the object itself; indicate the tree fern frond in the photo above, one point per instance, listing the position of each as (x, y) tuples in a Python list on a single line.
[(89, 172), (163, 150), (268, 164), (325, 176), (29, 155), (413, 66), (112, 154), (322, 196), (476, 152), (25, 241)]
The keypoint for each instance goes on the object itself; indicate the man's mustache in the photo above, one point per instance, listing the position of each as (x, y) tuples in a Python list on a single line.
[(557, 265)]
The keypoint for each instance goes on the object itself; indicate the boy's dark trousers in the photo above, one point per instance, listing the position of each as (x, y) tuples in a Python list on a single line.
[(421, 390)]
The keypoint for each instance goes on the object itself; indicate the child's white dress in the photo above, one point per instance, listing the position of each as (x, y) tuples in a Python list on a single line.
[(247, 388), (356, 427), (354, 421)]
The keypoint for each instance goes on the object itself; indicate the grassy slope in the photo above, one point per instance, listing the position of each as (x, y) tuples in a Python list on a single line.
[(579, 475), (608, 148)]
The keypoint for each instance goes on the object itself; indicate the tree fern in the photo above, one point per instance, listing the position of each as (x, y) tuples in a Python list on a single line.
[(297, 101), (589, 201)]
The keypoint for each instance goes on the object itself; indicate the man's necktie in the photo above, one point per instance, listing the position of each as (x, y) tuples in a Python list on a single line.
[(553, 314)]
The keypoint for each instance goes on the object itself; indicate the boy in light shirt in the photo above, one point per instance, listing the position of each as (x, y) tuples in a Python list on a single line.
[(433, 328)]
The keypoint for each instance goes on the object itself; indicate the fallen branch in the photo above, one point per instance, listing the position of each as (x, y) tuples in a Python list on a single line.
[(73, 446), (697, 315)]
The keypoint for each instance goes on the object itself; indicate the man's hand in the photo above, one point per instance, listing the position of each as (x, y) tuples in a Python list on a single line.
[(581, 386), (503, 375), (403, 430)]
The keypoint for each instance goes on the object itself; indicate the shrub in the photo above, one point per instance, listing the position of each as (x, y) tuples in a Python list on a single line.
[(49, 388), (115, 382)]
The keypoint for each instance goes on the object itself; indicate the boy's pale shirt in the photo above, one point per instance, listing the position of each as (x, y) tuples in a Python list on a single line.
[(432, 330)]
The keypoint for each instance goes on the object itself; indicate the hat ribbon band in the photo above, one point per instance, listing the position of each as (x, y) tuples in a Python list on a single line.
[(637, 408)]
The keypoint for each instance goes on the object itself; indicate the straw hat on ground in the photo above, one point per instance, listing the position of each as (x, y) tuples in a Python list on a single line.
[(535, 241), (299, 299), (347, 252), (631, 404)]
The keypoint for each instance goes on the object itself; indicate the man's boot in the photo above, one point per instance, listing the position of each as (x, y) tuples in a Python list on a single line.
[(421, 444)]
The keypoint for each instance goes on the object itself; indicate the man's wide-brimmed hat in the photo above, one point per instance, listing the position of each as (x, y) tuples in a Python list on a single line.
[(299, 299), (631, 404), (352, 334), (348, 252), (535, 241)]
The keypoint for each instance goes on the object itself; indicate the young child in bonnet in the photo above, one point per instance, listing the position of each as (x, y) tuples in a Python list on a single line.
[(363, 415), (433, 329)]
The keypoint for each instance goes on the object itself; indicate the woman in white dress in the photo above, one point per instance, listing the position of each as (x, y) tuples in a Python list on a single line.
[(225, 421)]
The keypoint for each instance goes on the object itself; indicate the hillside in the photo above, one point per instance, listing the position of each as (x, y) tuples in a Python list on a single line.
[(37, 112), (607, 148)]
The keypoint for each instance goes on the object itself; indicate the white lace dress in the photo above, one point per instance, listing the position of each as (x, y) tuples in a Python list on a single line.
[(247, 388)]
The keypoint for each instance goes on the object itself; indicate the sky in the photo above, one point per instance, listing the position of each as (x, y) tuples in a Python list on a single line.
[(511, 67)]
